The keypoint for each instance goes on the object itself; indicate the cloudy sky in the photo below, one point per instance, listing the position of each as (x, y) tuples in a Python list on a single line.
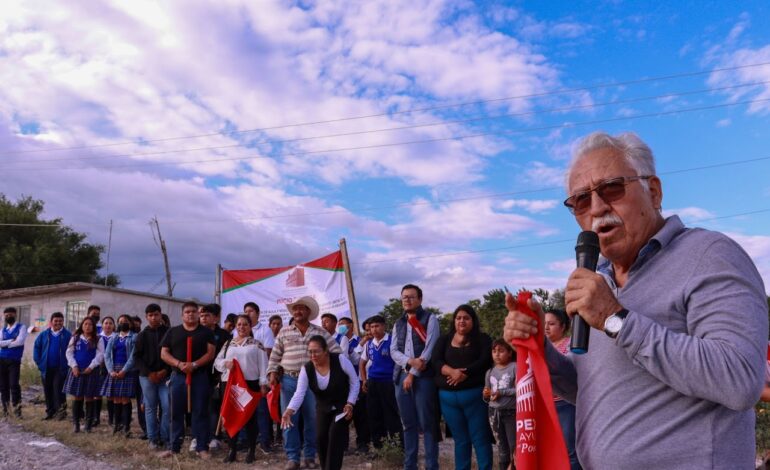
[(433, 135)]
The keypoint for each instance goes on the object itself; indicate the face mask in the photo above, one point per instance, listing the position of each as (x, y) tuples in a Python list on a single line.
[(342, 329), (124, 327), (10, 320)]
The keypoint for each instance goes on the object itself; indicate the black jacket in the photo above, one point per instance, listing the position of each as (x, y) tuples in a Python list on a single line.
[(147, 350)]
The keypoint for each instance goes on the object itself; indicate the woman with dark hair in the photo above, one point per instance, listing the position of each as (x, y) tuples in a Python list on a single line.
[(334, 383), (120, 385), (555, 328), (252, 360), (462, 358), (84, 355)]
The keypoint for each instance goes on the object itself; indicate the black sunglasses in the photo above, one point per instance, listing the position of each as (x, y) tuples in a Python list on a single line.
[(609, 190)]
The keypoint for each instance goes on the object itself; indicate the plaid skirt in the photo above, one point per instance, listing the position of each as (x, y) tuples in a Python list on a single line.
[(123, 388), (83, 385)]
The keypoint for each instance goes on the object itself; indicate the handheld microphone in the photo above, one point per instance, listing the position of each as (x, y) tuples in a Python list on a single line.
[(587, 256)]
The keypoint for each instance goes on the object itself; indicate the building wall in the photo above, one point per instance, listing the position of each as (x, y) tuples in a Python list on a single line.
[(112, 304)]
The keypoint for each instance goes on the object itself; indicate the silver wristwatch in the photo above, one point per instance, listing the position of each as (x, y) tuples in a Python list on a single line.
[(614, 323)]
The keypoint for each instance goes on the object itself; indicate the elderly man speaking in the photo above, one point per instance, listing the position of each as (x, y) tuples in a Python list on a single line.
[(679, 325)]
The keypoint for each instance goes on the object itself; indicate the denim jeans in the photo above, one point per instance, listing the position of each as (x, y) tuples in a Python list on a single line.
[(199, 391), (307, 410), (566, 413), (264, 423), (155, 395), (418, 413), (466, 414)]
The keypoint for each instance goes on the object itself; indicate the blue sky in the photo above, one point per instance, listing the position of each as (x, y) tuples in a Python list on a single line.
[(432, 135)]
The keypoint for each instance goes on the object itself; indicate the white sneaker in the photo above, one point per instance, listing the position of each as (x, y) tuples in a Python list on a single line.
[(193, 445), (214, 444)]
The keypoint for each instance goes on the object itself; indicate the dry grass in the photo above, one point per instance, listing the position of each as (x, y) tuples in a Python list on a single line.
[(135, 454)]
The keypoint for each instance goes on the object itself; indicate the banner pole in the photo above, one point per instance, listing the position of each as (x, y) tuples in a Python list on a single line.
[(218, 286), (349, 283)]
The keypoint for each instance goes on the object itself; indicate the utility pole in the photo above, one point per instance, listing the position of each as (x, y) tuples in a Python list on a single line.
[(109, 248), (162, 245)]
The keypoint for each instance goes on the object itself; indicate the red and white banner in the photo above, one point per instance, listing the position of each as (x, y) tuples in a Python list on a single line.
[(273, 288), (539, 440), (238, 402)]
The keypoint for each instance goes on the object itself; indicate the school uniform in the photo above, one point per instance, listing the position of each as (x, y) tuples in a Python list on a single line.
[(50, 356), (382, 409), (11, 351), (83, 354)]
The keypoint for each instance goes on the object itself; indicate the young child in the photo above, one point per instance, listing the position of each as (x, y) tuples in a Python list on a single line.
[(376, 372), (500, 392)]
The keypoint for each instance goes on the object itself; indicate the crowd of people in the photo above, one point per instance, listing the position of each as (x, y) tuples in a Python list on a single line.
[(676, 363)]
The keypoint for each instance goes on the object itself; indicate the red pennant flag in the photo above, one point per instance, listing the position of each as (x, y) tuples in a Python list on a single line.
[(274, 402), (539, 440), (238, 402), (417, 327)]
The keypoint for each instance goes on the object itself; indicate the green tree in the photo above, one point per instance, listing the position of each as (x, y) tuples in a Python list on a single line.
[(550, 300), (491, 312), (48, 253), (112, 280), (393, 310)]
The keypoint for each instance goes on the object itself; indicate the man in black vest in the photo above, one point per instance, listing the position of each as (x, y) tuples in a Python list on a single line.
[(414, 336)]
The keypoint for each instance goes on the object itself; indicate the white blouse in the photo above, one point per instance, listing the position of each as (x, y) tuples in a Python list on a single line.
[(323, 382), (250, 356)]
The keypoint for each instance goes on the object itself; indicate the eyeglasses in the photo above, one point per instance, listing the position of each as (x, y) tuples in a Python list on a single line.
[(609, 191), (315, 352), (409, 297)]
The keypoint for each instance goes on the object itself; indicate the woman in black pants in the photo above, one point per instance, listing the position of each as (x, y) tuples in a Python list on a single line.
[(334, 383)]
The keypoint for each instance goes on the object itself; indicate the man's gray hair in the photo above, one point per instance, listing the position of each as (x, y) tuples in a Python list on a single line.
[(633, 149)]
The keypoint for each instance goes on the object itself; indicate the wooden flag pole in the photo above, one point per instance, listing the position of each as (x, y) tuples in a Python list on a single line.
[(349, 283)]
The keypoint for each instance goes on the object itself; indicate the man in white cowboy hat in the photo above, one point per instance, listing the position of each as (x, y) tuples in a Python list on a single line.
[(287, 358)]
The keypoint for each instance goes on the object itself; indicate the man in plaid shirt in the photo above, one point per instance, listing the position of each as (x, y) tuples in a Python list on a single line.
[(287, 358)]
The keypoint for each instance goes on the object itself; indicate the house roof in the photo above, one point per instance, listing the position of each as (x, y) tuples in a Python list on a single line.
[(75, 286)]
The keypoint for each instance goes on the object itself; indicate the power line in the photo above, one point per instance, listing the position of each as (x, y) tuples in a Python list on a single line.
[(413, 142), (407, 127), (424, 203), (411, 258), (409, 111)]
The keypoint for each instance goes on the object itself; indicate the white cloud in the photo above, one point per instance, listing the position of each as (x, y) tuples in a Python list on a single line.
[(733, 52), (689, 214), (724, 122), (529, 205), (543, 175)]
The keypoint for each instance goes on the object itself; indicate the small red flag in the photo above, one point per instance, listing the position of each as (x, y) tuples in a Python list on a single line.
[(274, 402), (238, 402), (188, 379), (539, 440)]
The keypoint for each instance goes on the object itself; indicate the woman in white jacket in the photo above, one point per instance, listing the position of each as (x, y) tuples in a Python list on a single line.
[(252, 360)]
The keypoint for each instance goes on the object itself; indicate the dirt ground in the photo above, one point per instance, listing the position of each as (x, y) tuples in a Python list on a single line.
[(25, 450), (31, 443)]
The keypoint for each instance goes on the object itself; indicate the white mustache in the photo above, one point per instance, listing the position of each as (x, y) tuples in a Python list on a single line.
[(605, 220)]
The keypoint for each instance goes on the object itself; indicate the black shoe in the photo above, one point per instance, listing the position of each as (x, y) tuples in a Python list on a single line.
[(250, 457), (48, 417), (17, 411), (230, 457), (143, 436)]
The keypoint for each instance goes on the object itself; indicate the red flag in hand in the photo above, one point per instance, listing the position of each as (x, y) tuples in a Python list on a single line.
[(238, 402), (539, 440), (274, 402)]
